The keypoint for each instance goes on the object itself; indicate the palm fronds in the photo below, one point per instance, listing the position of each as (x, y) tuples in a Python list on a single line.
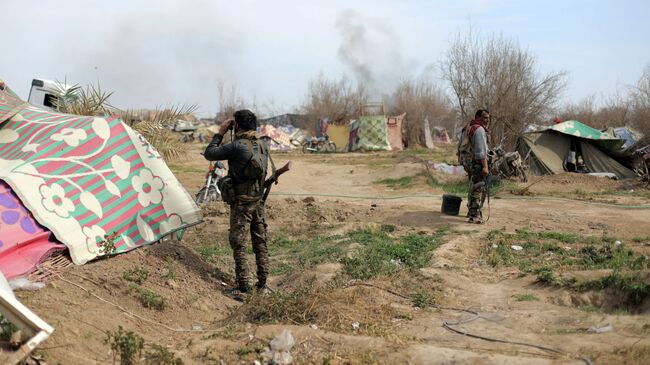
[(155, 125), (91, 101)]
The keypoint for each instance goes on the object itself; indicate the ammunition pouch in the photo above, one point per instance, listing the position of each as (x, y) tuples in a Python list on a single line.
[(227, 188)]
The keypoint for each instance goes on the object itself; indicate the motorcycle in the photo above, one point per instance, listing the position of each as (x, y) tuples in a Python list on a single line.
[(506, 164), (210, 192), (642, 164), (318, 144), (187, 137)]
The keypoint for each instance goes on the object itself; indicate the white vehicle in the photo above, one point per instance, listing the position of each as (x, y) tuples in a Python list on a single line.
[(43, 93), (184, 126)]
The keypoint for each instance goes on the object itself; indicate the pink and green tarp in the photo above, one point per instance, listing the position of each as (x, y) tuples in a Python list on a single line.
[(82, 178)]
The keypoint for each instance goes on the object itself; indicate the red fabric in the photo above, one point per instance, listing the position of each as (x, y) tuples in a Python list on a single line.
[(23, 242), (474, 124)]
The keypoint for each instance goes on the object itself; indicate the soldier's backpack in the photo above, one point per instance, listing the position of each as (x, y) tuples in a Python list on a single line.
[(465, 148), (257, 164)]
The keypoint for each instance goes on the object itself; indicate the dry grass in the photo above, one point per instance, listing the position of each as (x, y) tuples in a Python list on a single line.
[(330, 307)]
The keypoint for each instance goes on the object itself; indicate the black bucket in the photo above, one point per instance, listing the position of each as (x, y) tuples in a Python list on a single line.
[(451, 204)]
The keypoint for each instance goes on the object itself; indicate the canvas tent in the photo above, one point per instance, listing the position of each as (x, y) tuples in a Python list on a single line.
[(81, 179), (546, 148)]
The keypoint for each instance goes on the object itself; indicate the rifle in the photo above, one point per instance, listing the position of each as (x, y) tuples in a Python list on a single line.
[(268, 183)]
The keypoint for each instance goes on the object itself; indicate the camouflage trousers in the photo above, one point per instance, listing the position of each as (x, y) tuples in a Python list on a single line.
[(475, 196), (242, 216)]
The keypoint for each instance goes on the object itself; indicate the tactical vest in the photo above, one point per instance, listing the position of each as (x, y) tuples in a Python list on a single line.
[(252, 188)]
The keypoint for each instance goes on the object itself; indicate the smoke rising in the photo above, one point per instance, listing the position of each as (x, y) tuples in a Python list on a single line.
[(371, 50)]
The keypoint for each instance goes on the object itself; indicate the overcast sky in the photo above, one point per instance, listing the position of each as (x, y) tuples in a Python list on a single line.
[(153, 53)]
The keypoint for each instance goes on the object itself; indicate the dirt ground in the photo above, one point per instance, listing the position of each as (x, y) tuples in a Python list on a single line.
[(330, 194)]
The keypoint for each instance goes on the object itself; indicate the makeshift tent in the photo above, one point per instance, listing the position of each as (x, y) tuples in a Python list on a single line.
[(629, 135), (340, 135), (281, 137), (394, 126), (545, 149), (88, 180), (369, 133), (440, 135)]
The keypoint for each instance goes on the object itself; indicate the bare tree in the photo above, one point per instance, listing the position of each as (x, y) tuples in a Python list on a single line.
[(335, 99), (496, 73), (420, 99), (615, 111), (640, 101), (230, 100)]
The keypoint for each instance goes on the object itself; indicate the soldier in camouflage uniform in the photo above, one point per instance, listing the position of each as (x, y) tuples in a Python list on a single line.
[(247, 209), (472, 154)]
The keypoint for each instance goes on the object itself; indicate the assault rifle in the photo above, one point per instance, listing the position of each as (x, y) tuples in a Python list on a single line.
[(268, 183)]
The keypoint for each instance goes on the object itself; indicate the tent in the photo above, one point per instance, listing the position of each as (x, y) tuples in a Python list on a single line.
[(394, 126), (369, 133), (340, 135), (546, 148), (87, 180), (629, 135), (281, 136)]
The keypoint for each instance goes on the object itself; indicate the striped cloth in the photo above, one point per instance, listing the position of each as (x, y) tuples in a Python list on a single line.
[(89, 178)]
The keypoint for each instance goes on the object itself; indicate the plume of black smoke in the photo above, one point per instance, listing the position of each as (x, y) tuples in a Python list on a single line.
[(371, 50)]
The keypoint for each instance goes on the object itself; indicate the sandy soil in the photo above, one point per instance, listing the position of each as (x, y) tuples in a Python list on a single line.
[(83, 302)]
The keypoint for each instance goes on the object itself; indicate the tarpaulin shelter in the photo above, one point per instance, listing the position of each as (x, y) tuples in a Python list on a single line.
[(629, 135), (545, 149), (394, 130), (369, 133), (281, 136), (340, 135), (88, 180)]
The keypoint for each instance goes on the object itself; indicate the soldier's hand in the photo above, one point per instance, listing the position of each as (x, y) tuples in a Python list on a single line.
[(225, 126), (485, 171)]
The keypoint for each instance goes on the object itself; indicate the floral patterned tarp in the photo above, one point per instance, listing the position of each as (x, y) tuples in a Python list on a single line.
[(23, 242), (87, 177)]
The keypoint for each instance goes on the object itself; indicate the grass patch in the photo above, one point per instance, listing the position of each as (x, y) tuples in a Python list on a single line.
[(160, 355), (170, 271), (422, 300), (304, 254), (149, 298), (209, 253), (326, 305), (631, 286), (400, 183), (136, 275), (6, 328), (127, 345), (549, 251), (525, 297), (384, 255), (549, 254)]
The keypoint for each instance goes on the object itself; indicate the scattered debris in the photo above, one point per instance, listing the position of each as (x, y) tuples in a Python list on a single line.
[(25, 284), (601, 329), (279, 351), (356, 326), (516, 247), (313, 326)]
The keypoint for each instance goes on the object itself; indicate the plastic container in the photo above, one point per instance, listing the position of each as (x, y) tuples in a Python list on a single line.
[(451, 204)]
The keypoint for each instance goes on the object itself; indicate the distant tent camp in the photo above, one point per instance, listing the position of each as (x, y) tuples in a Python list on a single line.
[(546, 149)]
